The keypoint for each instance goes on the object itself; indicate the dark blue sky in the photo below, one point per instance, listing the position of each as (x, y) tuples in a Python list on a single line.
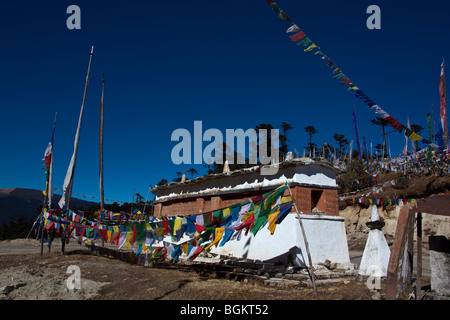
[(228, 64)]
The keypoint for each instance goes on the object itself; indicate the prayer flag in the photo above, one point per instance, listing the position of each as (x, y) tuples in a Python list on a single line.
[(64, 202), (319, 53), (194, 252), (285, 208), (311, 47), (298, 36), (272, 221), (283, 16), (226, 212), (218, 234), (443, 107), (227, 236), (293, 28), (275, 7), (305, 42)]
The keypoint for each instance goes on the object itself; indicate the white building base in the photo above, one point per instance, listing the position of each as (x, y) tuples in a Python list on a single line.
[(326, 238)]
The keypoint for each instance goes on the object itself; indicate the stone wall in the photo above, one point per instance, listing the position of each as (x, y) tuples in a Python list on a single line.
[(308, 199)]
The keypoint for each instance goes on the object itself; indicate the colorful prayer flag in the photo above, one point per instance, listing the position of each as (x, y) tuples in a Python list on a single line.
[(298, 36), (311, 47), (443, 105)]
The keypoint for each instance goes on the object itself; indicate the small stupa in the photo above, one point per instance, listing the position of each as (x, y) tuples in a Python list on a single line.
[(226, 167), (375, 259)]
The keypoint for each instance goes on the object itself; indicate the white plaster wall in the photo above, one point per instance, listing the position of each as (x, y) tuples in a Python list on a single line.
[(326, 238)]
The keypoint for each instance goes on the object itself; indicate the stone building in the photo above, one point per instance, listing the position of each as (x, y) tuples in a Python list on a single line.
[(313, 185), (314, 189)]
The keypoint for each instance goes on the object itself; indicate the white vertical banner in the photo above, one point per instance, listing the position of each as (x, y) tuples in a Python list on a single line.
[(68, 181)]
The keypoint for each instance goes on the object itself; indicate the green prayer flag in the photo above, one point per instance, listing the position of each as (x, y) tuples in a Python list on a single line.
[(259, 224), (305, 42)]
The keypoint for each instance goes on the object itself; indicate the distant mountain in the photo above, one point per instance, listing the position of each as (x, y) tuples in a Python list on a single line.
[(17, 201)]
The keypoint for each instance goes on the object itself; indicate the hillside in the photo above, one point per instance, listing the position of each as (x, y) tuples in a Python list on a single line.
[(21, 201), (397, 186)]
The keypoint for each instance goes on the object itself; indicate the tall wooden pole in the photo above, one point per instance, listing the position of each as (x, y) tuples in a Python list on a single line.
[(64, 202), (146, 200), (310, 270), (102, 195), (48, 189), (68, 181), (42, 237)]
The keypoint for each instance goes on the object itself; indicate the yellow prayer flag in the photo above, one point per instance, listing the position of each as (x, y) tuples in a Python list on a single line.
[(246, 215), (128, 237), (185, 247), (177, 225), (311, 47), (272, 221), (218, 236), (160, 232), (415, 137), (226, 212), (286, 199), (337, 70)]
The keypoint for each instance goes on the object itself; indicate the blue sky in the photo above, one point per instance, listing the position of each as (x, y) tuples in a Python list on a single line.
[(228, 64)]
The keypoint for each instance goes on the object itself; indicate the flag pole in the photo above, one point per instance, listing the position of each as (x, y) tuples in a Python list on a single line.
[(102, 195), (146, 200), (310, 268), (49, 191), (48, 188), (64, 202), (68, 181)]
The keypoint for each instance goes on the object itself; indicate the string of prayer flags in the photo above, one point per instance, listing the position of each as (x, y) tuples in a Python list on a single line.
[(301, 38), (195, 232)]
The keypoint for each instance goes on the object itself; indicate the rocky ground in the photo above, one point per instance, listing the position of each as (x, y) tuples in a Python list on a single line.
[(25, 274)]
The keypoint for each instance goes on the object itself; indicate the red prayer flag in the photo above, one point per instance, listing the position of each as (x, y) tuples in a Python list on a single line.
[(298, 36), (103, 234), (199, 228)]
